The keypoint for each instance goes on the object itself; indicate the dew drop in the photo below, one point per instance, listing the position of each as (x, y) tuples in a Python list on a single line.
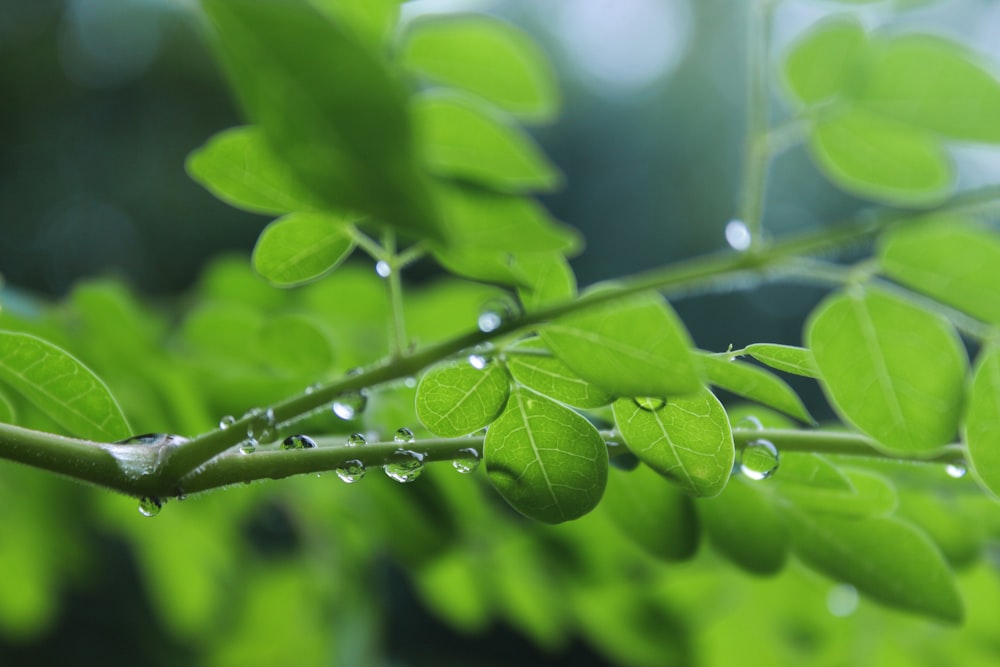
[(759, 459), (466, 460), (227, 421), (383, 268), (842, 600), (350, 406), (404, 465), (298, 442), (313, 387), (260, 428), (404, 436), (356, 440), (247, 448), (495, 313), (478, 361), (650, 404), (150, 506), (956, 470), (410, 382), (352, 471), (750, 423), (738, 235), (153, 439)]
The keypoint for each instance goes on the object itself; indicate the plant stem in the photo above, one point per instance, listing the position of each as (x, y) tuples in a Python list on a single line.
[(394, 283)]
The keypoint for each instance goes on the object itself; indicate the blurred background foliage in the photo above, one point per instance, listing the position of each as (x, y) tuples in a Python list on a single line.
[(108, 249)]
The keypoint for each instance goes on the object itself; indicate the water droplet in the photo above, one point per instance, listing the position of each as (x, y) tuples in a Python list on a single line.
[(650, 404), (842, 600), (352, 471), (404, 465), (153, 439), (495, 313), (227, 421), (750, 423), (478, 361), (404, 436), (481, 433), (759, 459), (738, 235), (410, 382), (466, 460), (383, 268), (350, 406), (247, 448), (260, 428), (298, 442), (149, 506), (357, 440), (956, 470), (313, 387)]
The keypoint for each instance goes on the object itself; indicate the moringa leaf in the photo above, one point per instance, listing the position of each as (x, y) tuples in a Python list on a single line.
[(818, 67), (982, 415), (549, 376), (549, 279), (754, 384), (870, 494), (456, 398), (743, 525), (60, 386), (302, 247), (487, 57), (633, 346), (787, 358), (890, 368), (547, 461), (8, 415), (685, 438)]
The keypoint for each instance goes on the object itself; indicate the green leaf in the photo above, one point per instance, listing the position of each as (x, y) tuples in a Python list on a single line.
[(882, 159), (547, 461), (487, 57), (293, 344), (551, 377), (456, 399), (982, 415), (60, 386), (549, 279), (461, 138), (810, 470), (870, 494), (754, 384), (935, 84), (371, 20), (327, 106), (890, 368), (238, 167), (687, 439), (633, 346), (951, 261), (302, 247), (652, 513), (787, 358), (743, 525), (487, 266), (819, 66), (8, 415), (884, 558)]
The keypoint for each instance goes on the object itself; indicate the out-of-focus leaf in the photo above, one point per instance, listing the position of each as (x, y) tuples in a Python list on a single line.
[(301, 247), (819, 66), (743, 524), (8, 414), (294, 344), (982, 417), (371, 20), (549, 279)]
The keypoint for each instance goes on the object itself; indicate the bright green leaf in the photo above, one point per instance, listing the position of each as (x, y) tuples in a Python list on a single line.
[(532, 365), (652, 513), (547, 461), (810, 470), (8, 415), (934, 84), (982, 417), (238, 167), (460, 138), (884, 558), (327, 106), (754, 384), (687, 439), (882, 159), (294, 344), (819, 66), (890, 368), (487, 266), (743, 525), (61, 387), (787, 358), (870, 494), (953, 262), (456, 398), (302, 247), (549, 279), (633, 346), (487, 57), (371, 20)]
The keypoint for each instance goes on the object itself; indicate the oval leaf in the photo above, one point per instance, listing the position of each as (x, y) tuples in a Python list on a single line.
[(456, 399), (547, 461), (754, 384), (951, 261), (890, 368), (238, 167), (687, 439), (982, 435), (301, 247), (459, 138), (819, 66), (887, 559), (551, 377), (743, 524), (486, 57), (60, 386), (787, 358), (636, 346)]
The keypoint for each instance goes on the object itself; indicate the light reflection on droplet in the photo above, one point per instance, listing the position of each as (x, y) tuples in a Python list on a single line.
[(738, 235), (842, 600)]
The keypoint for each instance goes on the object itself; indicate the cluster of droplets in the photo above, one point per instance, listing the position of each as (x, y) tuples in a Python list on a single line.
[(404, 465), (759, 458), (353, 470), (261, 429)]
